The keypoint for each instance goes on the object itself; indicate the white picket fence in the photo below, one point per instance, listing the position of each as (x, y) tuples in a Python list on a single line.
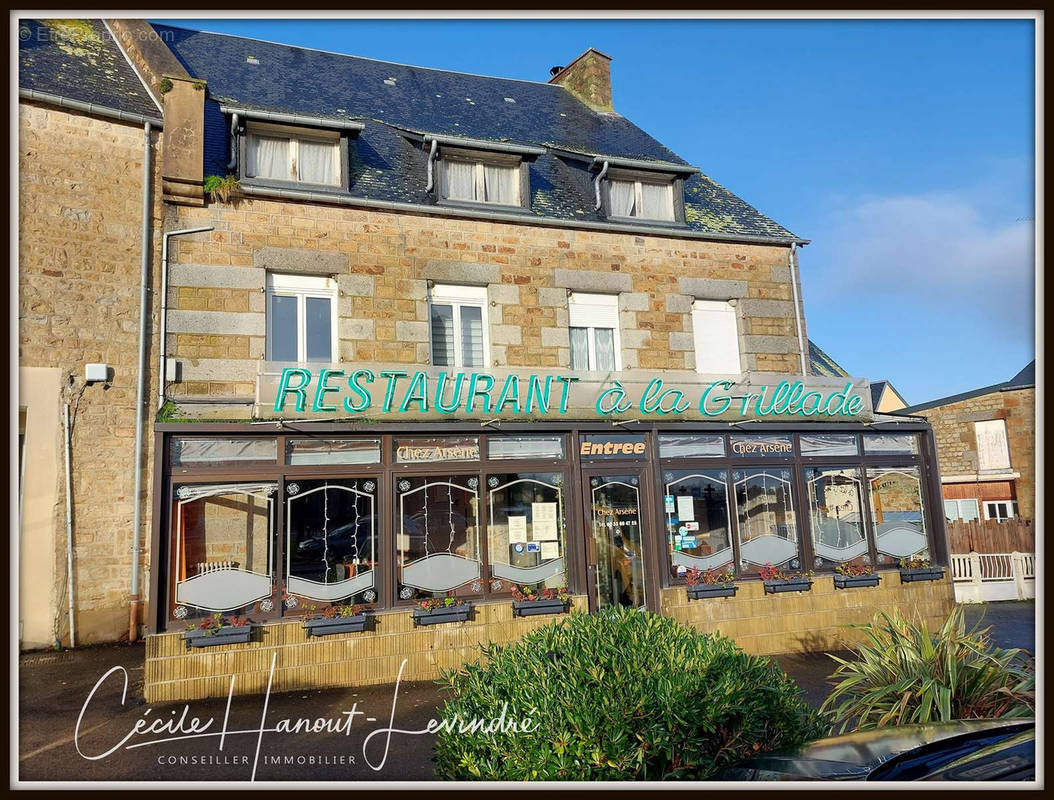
[(989, 577)]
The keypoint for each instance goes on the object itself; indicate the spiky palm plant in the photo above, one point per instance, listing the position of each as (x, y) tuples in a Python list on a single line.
[(905, 674)]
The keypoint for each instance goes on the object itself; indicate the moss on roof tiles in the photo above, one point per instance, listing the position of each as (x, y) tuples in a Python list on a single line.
[(79, 60)]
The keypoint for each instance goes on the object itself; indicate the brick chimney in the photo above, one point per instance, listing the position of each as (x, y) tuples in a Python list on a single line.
[(183, 100), (588, 78)]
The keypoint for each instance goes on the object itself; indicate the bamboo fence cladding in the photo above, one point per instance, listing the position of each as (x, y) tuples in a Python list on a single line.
[(349, 659), (801, 622), (989, 536)]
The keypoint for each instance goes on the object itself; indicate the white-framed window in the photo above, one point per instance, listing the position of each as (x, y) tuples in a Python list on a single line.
[(301, 318), (458, 320), (716, 333), (640, 198), (468, 180), (1000, 510), (964, 510), (594, 333), (992, 450), (299, 155)]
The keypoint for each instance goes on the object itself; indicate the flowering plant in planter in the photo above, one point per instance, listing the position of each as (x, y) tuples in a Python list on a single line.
[(854, 570), (718, 582), (776, 580), (850, 575), (918, 568), (434, 610), (218, 629), (432, 603), (915, 562), (549, 600), (337, 618)]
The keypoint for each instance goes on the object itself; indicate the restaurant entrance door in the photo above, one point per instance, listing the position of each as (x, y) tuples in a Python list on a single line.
[(616, 539)]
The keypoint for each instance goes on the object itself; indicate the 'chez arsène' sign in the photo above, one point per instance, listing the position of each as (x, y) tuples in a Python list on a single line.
[(400, 392)]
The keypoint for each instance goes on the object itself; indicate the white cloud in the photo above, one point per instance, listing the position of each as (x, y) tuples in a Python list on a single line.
[(934, 251)]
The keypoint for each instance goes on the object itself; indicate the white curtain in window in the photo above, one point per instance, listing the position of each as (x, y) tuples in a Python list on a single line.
[(622, 198), (460, 180), (471, 336), (267, 157), (656, 201), (579, 348), (318, 162), (604, 344), (500, 185)]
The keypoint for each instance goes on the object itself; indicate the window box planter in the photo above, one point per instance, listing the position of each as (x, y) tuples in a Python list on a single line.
[(228, 634), (792, 585), (324, 626), (923, 574), (702, 590), (853, 581), (437, 616), (530, 608)]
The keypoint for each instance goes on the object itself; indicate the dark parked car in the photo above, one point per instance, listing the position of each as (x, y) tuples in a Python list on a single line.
[(966, 750)]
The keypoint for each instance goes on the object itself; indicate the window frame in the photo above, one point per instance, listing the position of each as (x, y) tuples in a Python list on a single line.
[(295, 133), (597, 317), (638, 177), (302, 287), (482, 158), (1002, 426), (1011, 510), (958, 508), (699, 305), (457, 296)]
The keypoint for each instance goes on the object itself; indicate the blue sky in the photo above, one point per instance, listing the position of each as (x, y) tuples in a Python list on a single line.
[(902, 148)]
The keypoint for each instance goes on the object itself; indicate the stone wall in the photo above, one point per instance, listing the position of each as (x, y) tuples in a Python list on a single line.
[(957, 445), (80, 217), (383, 262)]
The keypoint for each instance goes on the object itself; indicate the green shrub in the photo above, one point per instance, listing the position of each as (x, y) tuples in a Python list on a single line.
[(905, 674), (619, 695)]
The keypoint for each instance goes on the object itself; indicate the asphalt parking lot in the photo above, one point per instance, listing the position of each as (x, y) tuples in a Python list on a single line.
[(54, 688)]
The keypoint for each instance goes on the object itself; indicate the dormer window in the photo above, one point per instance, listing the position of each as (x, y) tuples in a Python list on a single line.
[(642, 198), (493, 179), (293, 155)]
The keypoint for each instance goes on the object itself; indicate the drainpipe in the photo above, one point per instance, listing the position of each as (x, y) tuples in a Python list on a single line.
[(162, 371), (797, 310), (140, 391), (69, 521), (596, 183), (431, 160), (234, 142)]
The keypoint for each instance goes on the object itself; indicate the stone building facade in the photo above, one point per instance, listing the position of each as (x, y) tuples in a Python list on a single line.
[(972, 487), (666, 335)]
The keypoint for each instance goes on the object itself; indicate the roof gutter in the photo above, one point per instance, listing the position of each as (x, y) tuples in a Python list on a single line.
[(500, 216), (295, 119), (89, 108), (635, 163), (479, 144)]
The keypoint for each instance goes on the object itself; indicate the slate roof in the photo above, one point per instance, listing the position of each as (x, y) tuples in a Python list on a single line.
[(1025, 379), (79, 60), (822, 364), (394, 98)]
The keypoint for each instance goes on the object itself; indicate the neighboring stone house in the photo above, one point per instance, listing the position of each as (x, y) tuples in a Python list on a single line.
[(82, 111), (986, 447), (429, 335)]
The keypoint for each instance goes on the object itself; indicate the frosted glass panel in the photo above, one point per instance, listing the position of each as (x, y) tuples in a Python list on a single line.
[(579, 348), (319, 328), (605, 349), (283, 334), (443, 335)]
